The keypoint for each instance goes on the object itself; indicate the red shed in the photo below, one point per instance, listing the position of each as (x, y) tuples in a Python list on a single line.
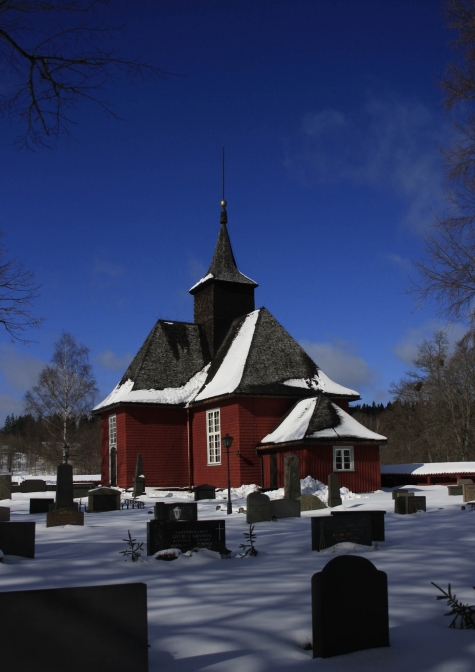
[(234, 370)]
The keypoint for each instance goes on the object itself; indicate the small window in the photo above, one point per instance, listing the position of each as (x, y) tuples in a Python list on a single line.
[(343, 458), (112, 432), (213, 430)]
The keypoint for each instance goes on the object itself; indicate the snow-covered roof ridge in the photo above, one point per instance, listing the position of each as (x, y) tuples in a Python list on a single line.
[(319, 418), (429, 468)]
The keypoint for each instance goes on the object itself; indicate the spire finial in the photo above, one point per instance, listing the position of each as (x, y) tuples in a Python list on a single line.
[(224, 217)]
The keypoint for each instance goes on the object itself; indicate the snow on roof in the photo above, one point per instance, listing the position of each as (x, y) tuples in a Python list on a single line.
[(170, 395), (230, 372), (297, 425), (321, 383), (429, 468), (200, 282)]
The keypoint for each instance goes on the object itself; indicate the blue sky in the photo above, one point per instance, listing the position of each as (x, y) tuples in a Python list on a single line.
[(332, 122)]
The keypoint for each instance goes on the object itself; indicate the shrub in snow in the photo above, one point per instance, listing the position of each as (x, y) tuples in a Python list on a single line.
[(464, 613), (248, 548), (134, 549)]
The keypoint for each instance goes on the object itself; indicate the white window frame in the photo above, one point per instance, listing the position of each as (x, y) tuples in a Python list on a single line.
[(112, 432), (213, 436), (343, 458)]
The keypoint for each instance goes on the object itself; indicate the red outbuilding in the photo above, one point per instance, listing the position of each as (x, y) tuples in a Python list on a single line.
[(235, 370)]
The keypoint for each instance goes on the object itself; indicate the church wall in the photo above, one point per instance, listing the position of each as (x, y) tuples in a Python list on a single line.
[(317, 461)]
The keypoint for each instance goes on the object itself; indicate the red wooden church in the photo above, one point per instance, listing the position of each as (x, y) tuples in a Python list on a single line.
[(234, 370)]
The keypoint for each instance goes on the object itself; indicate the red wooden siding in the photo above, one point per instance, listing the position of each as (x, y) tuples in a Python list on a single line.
[(317, 461)]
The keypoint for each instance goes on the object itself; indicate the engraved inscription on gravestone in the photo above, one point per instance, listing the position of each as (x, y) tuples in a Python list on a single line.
[(291, 477), (330, 530), (416, 504), (258, 508), (349, 580), (468, 492), (60, 517), (377, 521), (186, 535)]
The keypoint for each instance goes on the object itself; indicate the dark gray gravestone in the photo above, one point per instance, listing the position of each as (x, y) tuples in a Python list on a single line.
[(82, 489), (38, 505), (346, 586), (330, 530), (139, 478), (33, 485), (4, 514), (186, 535), (468, 492), (165, 511), (285, 508), (311, 503), (204, 491), (5, 486), (402, 493), (61, 517), (18, 539), (100, 500), (416, 504), (377, 521), (75, 629), (454, 490), (291, 477), (334, 498), (257, 508), (64, 488)]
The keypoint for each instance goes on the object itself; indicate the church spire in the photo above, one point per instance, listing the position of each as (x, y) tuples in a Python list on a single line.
[(224, 217)]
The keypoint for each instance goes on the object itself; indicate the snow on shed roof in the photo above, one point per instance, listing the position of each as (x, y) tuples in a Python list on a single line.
[(429, 468), (258, 356), (319, 418)]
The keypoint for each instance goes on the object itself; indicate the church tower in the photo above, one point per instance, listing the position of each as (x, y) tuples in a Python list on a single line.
[(224, 293)]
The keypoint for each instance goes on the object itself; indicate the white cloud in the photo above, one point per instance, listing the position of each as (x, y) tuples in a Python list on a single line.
[(390, 144), (339, 361), (403, 263), (112, 362), (406, 348)]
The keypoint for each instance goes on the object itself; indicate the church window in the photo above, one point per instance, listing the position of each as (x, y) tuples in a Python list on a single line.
[(112, 432), (213, 429), (343, 458)]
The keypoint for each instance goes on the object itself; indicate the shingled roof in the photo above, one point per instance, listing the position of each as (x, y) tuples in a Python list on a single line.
[(258, 356), (318, 419), (170, 366), (223, 265)]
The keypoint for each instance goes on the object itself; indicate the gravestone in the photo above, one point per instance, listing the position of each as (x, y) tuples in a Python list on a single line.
[(139, 478), (165, 511), (311, 503), (33, 485), (468, 492), (81, 489), (64, 488), (291, 477), (285, 508), (61, 517), (5, 486), (100, 500), (75, 629), (334, 498), (402, 493), (204, 491), (4, 514), (348, 586), (258, 508), (453, 490), (186, 535), (330, 530), (18, 539), (464, 481), (377, 521), (405, 505), (38, 505)]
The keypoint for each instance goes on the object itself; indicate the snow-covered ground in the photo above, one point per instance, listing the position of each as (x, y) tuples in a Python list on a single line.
[(254, 614)]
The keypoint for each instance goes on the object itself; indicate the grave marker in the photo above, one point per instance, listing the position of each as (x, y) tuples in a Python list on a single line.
[(334, 498), (33, 485), (5, 486), (139, 478), (402, 493), (204, 491), (18, 539), (464, 481), (4, 514), (64, 488), (165, 511), (61, 517), (186, 535), (453, 490), (285, 508), (346, 586), (291, 477), (377, 521), (258, 508), (75, 629), (100, 500), (405, 505), (330, 530), (311, 503), (468, 492), (38, 505)]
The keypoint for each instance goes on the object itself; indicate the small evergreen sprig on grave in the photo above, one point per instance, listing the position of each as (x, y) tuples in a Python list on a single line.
[(248, 548), (464, 612), (133, 550)]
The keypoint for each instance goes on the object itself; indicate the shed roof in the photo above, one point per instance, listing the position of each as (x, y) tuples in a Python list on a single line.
[(429, 468)]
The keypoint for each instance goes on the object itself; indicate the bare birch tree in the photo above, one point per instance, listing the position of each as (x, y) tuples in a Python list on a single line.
[(55, 53), (65, 391)]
